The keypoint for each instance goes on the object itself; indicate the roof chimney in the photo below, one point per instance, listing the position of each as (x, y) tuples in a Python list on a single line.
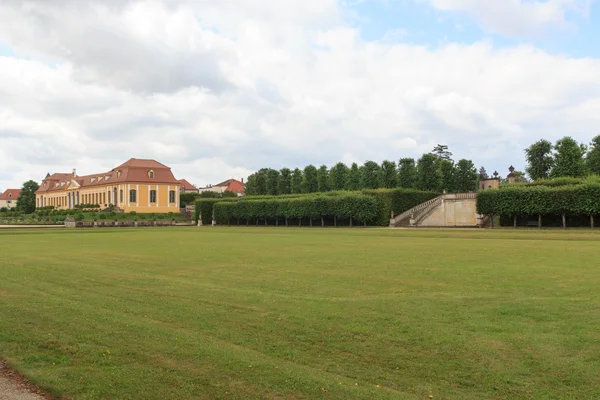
[(74, 172), (242, 180)]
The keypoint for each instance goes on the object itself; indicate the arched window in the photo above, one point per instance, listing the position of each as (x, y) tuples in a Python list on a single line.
[(153, 196), (151, 174), (172, 196)]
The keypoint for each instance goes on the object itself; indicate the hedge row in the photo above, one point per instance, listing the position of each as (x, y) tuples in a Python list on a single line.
[(583, 199), (354, 207), (563, 181), (386, 202)]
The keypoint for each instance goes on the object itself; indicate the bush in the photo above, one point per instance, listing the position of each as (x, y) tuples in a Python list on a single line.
[(582, 199), (355, 206), (102, 216), (132, 213)]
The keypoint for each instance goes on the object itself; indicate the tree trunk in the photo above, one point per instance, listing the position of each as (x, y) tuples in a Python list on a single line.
[(365, 224), (592, 220), (335, 221), (286, 221), (299, 221), (247, 221), (311, 221), (256, 222), (266, 222), (350, 222), (564, 221), (238, 222), (515, 222), (539, 221), (277, 221), (228, 221), (492, 220)]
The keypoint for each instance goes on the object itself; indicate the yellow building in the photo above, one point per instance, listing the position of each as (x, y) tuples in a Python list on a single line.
[(144, 186)]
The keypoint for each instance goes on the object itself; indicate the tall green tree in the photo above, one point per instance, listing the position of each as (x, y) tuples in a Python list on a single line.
[(427, 174), (407, 173), (261, 181), (370, 177), (465, 176), (569, 159), (297, 179), (483, 173), (284, 185), (323, 179), (310, 184), (539, 159), (272, 182), (445, 171), (338, 176), (353, 181), (592, 159), (251, 185), (441, 150), (26, 199), (389, 174)]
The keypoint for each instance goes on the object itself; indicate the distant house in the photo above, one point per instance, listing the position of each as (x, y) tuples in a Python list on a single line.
[(8, 199), (187, 187), (230, 185)]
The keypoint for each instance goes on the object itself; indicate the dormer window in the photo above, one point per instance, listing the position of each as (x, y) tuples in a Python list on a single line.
[(118, 174), (150, 174), (10, 195), (93, 180), (106, 177), (99, 178)]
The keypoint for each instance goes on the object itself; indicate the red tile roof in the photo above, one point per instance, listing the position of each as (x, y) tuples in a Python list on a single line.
[(233, 185), (10, 194), (133, 170), (185, 185)]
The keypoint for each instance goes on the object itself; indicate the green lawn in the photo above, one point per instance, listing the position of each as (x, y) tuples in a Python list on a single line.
[(286, 313)]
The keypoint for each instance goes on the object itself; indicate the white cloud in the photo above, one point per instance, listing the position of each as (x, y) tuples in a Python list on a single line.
[(218, 91), (517, 17)]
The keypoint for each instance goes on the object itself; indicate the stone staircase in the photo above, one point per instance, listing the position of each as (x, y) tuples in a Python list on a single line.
[(416, 216)]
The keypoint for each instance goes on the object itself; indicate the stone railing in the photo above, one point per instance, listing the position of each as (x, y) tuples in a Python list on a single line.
[(420, 212), (415, 211)]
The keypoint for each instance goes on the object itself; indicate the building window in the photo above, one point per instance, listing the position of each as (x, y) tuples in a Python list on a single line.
[(172, 196), (153, 196), (151, 174), (121, 196), (132, 196)]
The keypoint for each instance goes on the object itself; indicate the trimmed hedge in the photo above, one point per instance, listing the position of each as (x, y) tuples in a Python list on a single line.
[(317, 205), (583, 199), (355, 206)]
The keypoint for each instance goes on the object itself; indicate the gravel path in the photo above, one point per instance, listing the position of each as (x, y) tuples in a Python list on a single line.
[(13, 387)]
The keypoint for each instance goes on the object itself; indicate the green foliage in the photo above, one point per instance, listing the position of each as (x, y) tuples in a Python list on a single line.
[(359, 207), (272, 182), (389, 174), (187, 198), (228, 193), (323, 179), (353, 180), (284, 184), (569, 160), (407, 173), (427, 173), (441, 151), (26, 199), (592, 159), (445, 172), (310, 183), (370, 177), (539, 199), (208, 194), (465, 176), (338, 176), (296, 183), (540, 160)]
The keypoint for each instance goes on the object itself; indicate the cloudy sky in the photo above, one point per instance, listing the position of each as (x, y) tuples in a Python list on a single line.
[(220, 88)]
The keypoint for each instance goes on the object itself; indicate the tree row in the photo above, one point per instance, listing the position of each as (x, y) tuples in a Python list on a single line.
[(435, 171)]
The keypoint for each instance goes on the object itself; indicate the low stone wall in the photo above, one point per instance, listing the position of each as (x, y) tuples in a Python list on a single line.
[(453, 212)]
